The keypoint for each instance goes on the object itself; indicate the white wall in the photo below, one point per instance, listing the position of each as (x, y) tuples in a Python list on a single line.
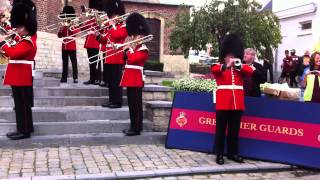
[(278, 5)]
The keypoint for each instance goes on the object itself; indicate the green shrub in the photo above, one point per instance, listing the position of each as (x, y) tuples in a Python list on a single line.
[(195, 85), (153, 66), (167, 83)]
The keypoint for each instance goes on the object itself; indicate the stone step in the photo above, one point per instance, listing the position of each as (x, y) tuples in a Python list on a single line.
[(76, 127), (45, 82), (57, 73), (151, 92), (84, 139), (69, 113), (60, 101)]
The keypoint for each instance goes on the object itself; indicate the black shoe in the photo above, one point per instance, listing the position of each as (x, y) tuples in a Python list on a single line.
[(9, 134), (20, 136), (114, 106), (219, 159), (106, 104), (103, 84), (129, 132), (75, 81), (88, 82), (236, 158), (63, 81), (96, 82)]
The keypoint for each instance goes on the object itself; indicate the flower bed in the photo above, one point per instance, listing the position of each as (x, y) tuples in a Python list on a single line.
[(195, 84)]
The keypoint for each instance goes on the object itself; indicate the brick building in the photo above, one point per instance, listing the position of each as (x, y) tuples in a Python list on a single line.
[(158, 15)]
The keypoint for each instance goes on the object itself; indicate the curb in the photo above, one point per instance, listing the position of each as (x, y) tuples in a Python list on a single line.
[(231, 168)]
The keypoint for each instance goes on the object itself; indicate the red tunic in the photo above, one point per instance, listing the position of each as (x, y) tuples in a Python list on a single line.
[(19, 69), (229, 94), (133, 72), (66, 32), (116, 35), (91, 41)]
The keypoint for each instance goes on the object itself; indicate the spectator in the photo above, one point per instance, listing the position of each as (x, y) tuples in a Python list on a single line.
[(287, 61), (252, 83), (268, 68), (293, 68), (303, 64), (312, 79)]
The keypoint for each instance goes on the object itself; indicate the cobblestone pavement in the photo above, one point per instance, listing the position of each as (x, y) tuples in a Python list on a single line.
[(119, 158), (286, 175)]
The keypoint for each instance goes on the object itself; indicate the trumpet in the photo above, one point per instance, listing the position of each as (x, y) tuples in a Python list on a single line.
[(237, 62), (119, 48), (100, 24)]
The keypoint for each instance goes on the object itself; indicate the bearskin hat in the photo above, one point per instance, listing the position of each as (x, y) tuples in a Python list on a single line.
[(136, 24), (68, 10), (114, 7), (232, 44), (24, 14)]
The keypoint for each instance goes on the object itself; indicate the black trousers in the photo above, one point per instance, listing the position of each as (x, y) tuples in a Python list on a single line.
[(95, 68), (293, 81), (134, 95), (113, 76), (66, 54), (23, 101), (230, 119), (105, 77)]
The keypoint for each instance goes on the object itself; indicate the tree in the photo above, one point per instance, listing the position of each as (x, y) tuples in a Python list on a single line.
[(210, 23)]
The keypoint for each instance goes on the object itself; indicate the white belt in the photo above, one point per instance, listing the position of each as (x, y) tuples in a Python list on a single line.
[(230, 87), (24, 62), (135, 67)]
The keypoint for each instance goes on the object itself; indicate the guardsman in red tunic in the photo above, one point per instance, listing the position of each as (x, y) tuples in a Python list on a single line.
[(92, 45), (229, 75), (19, 70), (132, 77), (69, 49), (116, 34)]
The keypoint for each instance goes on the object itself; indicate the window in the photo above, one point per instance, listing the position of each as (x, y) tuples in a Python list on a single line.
[(306, 25)]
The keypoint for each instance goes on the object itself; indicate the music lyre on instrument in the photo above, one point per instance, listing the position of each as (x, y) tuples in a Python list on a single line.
[(119, 47)]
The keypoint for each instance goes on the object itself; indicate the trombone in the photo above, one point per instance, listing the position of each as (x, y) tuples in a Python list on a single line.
[(91, 14), (65, 21), (116, 47), (100, 24)]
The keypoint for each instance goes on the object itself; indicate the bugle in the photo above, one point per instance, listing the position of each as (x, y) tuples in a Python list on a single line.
[(119, 48)]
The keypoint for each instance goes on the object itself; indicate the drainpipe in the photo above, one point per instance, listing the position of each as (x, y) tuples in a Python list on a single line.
[(65, 2)]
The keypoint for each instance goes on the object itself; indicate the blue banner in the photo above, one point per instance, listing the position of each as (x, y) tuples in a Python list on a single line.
[(273, 130)]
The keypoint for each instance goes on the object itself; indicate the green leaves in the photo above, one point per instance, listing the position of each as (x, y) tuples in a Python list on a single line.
[(210, 23)]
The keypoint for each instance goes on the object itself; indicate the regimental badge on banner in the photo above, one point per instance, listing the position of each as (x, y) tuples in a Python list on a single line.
[(182, 120)]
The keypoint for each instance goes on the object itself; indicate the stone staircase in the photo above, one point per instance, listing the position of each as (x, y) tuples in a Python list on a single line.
[(71, 114)]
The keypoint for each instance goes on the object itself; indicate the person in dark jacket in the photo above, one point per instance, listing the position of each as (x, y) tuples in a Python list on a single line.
[(268, 68), (252, 83)]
